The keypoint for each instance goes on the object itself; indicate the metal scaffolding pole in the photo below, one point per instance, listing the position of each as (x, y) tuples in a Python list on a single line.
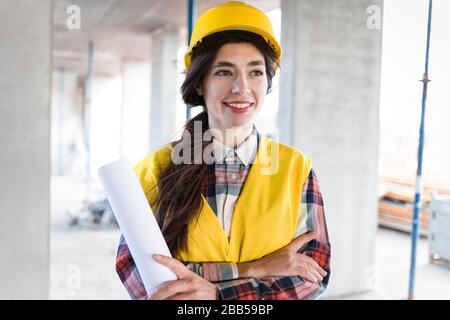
[(417, 198), (87, 114), (191, 17)]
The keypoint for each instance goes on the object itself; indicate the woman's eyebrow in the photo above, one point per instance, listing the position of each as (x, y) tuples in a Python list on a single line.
[(255, 63), (229, 64)]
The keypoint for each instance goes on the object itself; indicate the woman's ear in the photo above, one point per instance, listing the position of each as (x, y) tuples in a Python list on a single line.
[(199, 91)]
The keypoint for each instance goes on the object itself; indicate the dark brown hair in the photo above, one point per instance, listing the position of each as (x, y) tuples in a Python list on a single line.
[(178, 197)]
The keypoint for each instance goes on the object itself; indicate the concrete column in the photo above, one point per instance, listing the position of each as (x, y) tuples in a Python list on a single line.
[(164, 87), (25, 78), (135, 110), (329, 97)]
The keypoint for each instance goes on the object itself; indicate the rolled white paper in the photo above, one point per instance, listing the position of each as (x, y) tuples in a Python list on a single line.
[(136, 221)]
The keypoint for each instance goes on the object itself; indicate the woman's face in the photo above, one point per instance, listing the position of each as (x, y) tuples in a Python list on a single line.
[(235, 86)]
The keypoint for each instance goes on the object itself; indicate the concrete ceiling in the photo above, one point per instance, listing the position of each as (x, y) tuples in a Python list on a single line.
[(120, 29)]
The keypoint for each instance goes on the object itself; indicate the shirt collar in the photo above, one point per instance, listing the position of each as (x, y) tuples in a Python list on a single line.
[(245, 152)]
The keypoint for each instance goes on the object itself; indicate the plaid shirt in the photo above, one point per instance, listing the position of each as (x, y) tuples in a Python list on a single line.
[(227, 175), (221, 187)]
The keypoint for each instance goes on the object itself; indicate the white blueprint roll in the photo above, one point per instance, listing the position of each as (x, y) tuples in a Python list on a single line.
[(136, 221)]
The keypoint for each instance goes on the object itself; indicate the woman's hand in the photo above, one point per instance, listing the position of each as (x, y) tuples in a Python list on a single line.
[(189, 285), (286, 262)]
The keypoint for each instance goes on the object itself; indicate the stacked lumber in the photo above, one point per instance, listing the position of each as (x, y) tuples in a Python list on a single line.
[(396, 201)]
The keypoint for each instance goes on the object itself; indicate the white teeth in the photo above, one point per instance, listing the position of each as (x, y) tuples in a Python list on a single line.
[(239, 105)]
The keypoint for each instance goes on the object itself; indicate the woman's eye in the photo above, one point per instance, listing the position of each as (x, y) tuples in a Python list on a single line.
[(257, 73), (223, 73)]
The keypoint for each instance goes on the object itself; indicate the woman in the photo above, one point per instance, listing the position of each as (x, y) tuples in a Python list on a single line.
[(245, 219)]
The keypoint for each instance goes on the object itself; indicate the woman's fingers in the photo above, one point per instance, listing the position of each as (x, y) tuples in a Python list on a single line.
[(307, 275), (170, 288), (312, 274), (313, 264), (316, 266), (315, 273), (173, 264)]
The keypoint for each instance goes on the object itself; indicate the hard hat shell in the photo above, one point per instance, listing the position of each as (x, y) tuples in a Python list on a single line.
[(232, 15)]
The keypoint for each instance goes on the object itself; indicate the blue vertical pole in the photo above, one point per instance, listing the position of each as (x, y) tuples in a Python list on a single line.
[(191, 17), (417, 197)]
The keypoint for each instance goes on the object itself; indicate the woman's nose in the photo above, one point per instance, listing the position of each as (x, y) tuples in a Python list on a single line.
[(240, 86)]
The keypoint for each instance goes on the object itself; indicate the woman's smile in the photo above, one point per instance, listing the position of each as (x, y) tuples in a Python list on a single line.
[(238, 106)]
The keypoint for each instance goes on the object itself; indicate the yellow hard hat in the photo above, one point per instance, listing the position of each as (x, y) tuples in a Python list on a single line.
[(232, 15)]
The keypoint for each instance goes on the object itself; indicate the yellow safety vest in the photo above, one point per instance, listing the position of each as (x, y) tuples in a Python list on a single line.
[(266, 213)]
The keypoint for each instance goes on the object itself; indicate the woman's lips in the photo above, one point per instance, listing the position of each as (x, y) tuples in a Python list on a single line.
[(239, 109)]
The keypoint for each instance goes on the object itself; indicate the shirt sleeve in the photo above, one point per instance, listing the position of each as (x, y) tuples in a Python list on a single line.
[(215, 272), (292, 287), (128, 272)]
